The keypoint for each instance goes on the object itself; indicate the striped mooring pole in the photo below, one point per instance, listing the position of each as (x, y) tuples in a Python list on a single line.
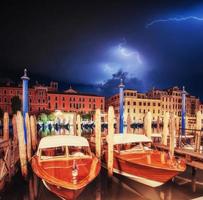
[(25, 80), (121, 87)]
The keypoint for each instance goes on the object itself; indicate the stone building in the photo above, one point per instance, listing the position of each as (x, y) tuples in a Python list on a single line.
[(157, 102), (48, 98)]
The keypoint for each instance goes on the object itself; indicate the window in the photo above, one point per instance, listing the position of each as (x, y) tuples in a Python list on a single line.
[(134, 103), (56, 98), (140, 103), (128, 103)]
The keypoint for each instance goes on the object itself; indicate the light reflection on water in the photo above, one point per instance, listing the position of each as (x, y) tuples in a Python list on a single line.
[(102, 188)]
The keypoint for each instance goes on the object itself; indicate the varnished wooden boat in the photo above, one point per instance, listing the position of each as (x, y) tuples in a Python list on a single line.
[(134, 159), (65, 164)]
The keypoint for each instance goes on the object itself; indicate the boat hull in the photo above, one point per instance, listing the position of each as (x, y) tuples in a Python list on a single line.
[(57, 175), (61, 192), (150, 175)]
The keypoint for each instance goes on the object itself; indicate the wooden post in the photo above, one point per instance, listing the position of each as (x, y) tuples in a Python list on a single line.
[(33, 129), (78, 121), (117, 123), (15, 134), (177, 123), (165, 128), (198, 131), (148, 122), (172, 135), (98, 132), (129, 123), (29, 145), (6, 127), (21, 144), (110, 140)]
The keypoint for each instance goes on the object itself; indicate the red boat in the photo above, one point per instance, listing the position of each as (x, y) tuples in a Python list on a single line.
[(134, 159), (65, 164)]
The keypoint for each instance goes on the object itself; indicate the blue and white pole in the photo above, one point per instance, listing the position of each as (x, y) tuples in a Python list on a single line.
[(183, 110), (121, 86), (25, 80)]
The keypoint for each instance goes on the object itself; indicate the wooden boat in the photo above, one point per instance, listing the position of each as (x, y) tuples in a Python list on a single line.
[(65, 164), (134, 159)]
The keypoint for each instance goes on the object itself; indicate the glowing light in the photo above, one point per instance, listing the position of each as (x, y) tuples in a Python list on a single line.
[(176, 19), (129, 53)]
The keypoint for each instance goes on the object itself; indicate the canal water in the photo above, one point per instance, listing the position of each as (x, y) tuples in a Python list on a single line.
[(103, 188)]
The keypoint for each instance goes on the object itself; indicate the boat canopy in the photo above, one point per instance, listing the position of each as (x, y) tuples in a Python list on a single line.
[(62, 140), (128, 138)]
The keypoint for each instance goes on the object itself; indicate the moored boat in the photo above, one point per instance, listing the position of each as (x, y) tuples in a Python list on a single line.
[(65, 164), (134, 159)]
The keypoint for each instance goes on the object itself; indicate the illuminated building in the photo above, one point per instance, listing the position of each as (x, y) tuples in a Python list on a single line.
[(48, 98), (157, 102)]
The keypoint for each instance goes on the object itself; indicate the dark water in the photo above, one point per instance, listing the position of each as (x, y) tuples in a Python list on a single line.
[(103, 188)]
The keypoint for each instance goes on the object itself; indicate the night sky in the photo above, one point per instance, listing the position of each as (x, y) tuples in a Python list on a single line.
[(91, 44)]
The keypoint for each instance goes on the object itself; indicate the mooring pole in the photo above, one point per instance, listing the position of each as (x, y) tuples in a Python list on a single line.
[(121, 86), (25, 80), (183, 110)]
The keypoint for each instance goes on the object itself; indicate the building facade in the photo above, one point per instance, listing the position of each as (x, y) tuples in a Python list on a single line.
[(48, 98), (157, 102)]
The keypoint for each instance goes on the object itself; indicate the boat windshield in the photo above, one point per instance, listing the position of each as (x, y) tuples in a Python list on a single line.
[(53, 152), (79, 151), (132, 147)]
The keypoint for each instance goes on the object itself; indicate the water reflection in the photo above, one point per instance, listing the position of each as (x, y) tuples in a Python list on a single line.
[(103, 188)]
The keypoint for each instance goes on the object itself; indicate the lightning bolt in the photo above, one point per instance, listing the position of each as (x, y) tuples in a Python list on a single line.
[(176, 19), (128, 53)]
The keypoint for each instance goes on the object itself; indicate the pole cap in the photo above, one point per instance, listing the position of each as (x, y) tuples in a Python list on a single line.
[(25, 77), (121, 85)]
